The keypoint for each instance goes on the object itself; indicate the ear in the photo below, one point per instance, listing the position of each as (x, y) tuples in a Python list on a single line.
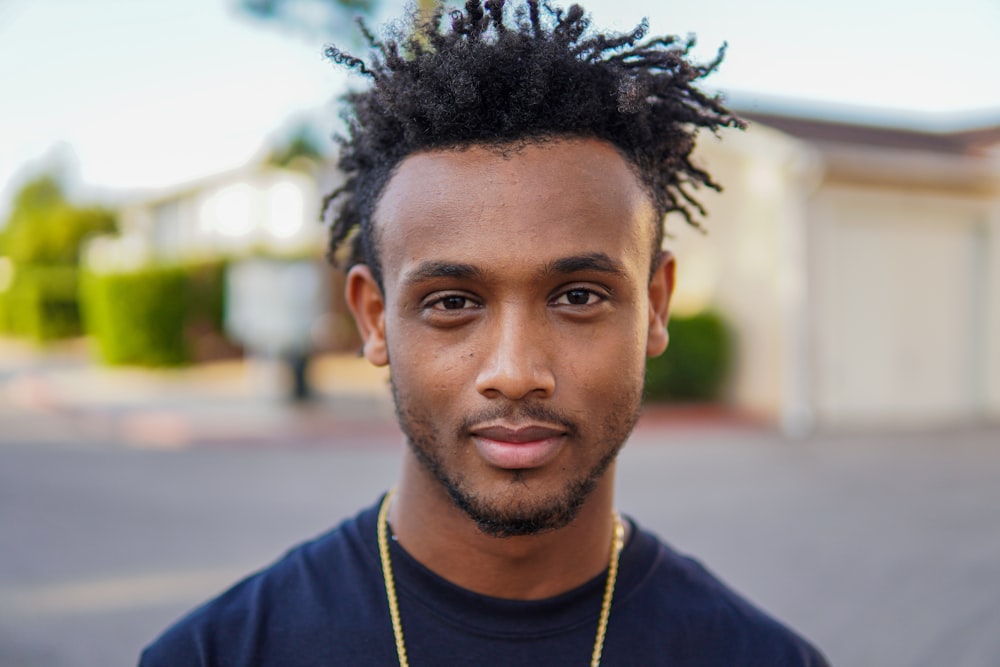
[(661, 288), (364, 298)]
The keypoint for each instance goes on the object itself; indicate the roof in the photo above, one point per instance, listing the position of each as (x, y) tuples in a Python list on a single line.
[(975, 132)]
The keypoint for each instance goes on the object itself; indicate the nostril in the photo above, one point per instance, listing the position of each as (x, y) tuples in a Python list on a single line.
[(515, 381)]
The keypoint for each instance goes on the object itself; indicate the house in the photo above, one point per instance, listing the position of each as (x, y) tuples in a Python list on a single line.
[(256, 209), (857, 260), (263, 221), (859, 264)]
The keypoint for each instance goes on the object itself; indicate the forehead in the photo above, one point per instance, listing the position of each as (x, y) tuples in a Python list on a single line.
[(535, 203)]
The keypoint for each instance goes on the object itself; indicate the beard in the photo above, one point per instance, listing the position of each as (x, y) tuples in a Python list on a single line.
[(520, 515)]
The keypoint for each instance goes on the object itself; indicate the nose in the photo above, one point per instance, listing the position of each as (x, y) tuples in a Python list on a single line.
[(516, 364)]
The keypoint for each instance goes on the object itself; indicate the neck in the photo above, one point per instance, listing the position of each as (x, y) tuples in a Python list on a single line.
[(444, 539)]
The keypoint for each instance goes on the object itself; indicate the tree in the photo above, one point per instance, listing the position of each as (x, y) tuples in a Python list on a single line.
[(44, 228), (299, 148), (329, 19), (41, 243), (323, 18)]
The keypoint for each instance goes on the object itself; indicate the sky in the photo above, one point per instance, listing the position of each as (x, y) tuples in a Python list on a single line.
[(136, 95)]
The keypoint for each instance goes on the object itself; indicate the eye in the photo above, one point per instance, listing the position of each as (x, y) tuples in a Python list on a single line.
[(451, 302), (578, 297)]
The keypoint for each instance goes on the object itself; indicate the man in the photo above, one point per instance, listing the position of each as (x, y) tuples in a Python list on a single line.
[(507, 178)]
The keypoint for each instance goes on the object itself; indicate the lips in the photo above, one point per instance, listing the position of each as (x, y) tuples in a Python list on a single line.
[(518, 447)]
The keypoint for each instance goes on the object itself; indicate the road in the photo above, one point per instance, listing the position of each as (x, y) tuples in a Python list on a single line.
[(883, 549)]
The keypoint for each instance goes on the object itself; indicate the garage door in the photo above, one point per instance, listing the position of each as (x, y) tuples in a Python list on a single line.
[(898, 290)]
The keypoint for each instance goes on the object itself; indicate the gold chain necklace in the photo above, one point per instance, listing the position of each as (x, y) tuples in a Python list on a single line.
[(617, 543)]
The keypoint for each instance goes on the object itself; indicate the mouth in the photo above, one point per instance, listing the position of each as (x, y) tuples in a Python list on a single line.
[(518, 447)]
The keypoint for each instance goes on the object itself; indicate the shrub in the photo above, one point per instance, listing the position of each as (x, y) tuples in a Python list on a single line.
[(144, 317), (137, 317), (6, 296), (697, 361), (41, 303), (45, 228), (40, 243), (207, 288)]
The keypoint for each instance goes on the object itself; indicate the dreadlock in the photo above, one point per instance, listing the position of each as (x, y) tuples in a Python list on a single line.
[(538, 75)]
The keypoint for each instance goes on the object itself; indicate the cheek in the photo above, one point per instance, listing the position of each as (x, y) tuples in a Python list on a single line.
[(426, 369), (612, 364)]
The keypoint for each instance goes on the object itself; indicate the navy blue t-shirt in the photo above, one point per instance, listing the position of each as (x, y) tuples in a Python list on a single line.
[(323, 604)]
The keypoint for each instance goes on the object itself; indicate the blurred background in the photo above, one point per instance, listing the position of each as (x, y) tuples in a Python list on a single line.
[(181, 396)]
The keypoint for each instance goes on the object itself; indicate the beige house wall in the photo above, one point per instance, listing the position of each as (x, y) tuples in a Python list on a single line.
[(750, 265), (990, 376)]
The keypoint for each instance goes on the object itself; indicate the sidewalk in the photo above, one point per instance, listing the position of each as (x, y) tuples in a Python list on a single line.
[(59, 393)]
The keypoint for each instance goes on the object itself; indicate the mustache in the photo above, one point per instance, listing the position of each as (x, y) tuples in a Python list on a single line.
[(518, 412)]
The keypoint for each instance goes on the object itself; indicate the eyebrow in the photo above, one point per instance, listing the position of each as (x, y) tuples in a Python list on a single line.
[(595, 261), (432, 270)]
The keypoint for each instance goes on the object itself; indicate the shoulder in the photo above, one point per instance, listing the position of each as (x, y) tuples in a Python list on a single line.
[(312, 588), (697, 615)]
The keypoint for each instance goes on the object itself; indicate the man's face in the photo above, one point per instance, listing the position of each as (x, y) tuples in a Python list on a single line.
[(516, 317)]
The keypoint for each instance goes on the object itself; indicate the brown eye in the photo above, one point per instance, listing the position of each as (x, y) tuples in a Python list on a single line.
[(453, 302), (578, 297)]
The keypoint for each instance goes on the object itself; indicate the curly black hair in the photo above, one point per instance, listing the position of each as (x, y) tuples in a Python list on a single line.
[(504, 81)]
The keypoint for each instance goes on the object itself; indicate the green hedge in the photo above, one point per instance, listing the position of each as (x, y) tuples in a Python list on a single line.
[(697, 361), (143, 317), (207, 282), (41, 303)]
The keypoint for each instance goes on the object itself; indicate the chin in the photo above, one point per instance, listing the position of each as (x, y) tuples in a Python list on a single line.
[(514, 511)]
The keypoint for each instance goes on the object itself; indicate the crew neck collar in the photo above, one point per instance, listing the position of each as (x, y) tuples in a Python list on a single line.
[(423, 591)]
